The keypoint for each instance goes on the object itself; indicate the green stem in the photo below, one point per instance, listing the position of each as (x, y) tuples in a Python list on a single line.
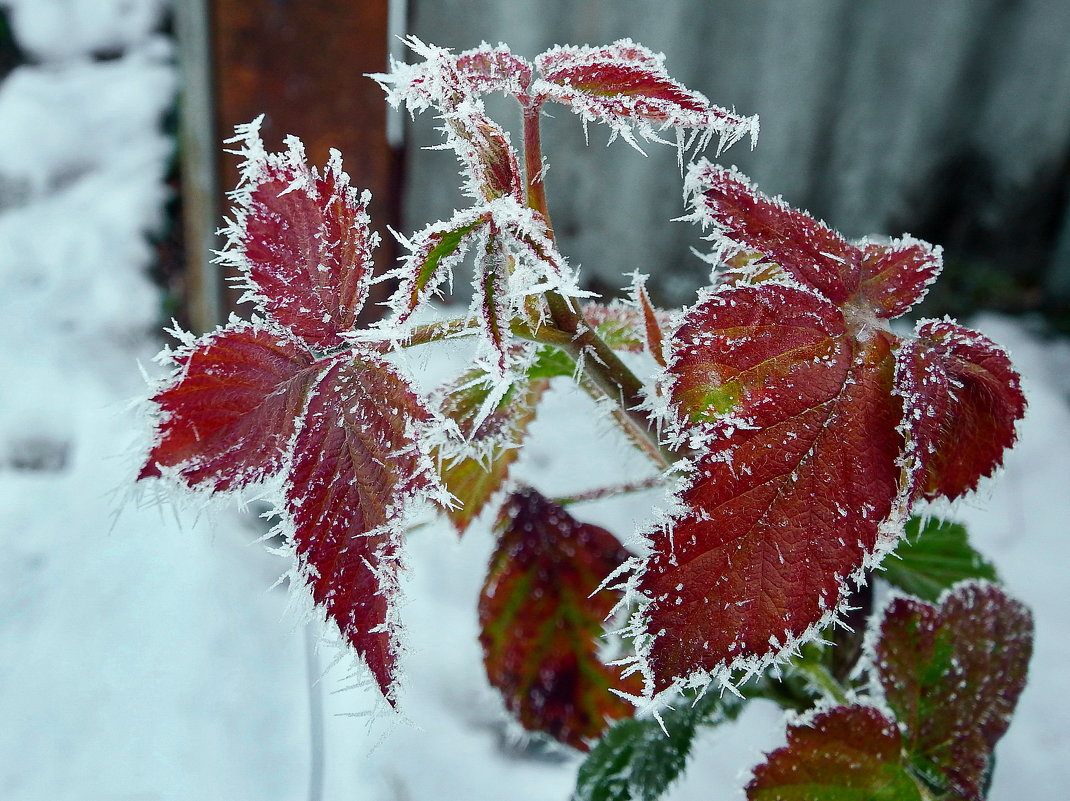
[(820, 677)]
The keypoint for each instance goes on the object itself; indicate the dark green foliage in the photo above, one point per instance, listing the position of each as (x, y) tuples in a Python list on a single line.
[(934, 555), (636, 761)]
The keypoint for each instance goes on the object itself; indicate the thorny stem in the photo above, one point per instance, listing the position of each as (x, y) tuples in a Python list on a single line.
[(608, 373), (610, 492)]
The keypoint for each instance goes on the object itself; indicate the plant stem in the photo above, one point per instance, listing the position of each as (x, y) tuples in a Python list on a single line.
[(609, 492), (820, 677), (608, 373)]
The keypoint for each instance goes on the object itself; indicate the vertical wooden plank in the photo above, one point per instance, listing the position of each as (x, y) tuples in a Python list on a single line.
[(302, 63)]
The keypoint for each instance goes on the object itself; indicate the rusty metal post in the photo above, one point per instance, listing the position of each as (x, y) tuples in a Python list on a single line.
[(301, 63)]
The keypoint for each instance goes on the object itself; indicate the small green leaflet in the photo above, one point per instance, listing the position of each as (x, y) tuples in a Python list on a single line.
[(934, 555)]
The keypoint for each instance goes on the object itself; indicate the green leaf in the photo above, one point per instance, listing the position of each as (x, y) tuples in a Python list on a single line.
[(551, 362), (847, 753), (636, 761), (934, 555)]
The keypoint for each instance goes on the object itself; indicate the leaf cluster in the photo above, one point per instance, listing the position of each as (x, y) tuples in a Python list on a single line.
[(794, 431)]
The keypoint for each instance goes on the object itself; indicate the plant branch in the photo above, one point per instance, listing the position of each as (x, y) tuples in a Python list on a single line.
[(610, 492)]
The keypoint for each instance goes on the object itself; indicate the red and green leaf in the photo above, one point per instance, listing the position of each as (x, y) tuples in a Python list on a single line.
[(847, 753), (952, 674), (626, 85), (227, 417), (812, 429), (433, 253), (302, 242), (477, 467), (797, 473), (541, 624), (962, 398), (356, 464)]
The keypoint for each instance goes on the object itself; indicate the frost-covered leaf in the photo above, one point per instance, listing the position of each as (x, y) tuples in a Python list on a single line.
[(797, 434), (541, 625), (933, 556), (806, 249), (952, 674), (356, 464), (444, 80), (961, 398), (811, 427), (490, 161), (625, 327), (638, 760), (897, 275), (491, 430), (301, 240), (227, 416), (433, 253), (846, 753), (626, 86), (493, 266)]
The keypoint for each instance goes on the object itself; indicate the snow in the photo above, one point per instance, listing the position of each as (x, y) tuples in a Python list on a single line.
[(144, 653)]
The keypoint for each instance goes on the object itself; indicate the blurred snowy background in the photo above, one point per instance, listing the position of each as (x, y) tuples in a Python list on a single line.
[(144, 652)]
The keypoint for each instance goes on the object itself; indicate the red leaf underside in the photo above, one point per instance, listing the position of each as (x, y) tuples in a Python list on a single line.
[(494, 69), (808, 250), (306, 247), (490, 158), (786, 500), (847, 752), (355, 465), (540, 630), (228, 418), (952, 674), (961, 399)]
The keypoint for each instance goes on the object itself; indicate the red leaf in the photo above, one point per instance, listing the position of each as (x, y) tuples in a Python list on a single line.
[(897, 275), (961, 400), (952, 674), (356, 464), (806, 249), (540, 629), (847, 752), (302, 241), (444, 80), (228, 415), (490, 159), (796, 474), (494, 69), (624, 83)]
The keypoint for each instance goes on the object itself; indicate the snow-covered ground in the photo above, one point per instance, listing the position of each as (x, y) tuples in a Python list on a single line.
[(144, 653)]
